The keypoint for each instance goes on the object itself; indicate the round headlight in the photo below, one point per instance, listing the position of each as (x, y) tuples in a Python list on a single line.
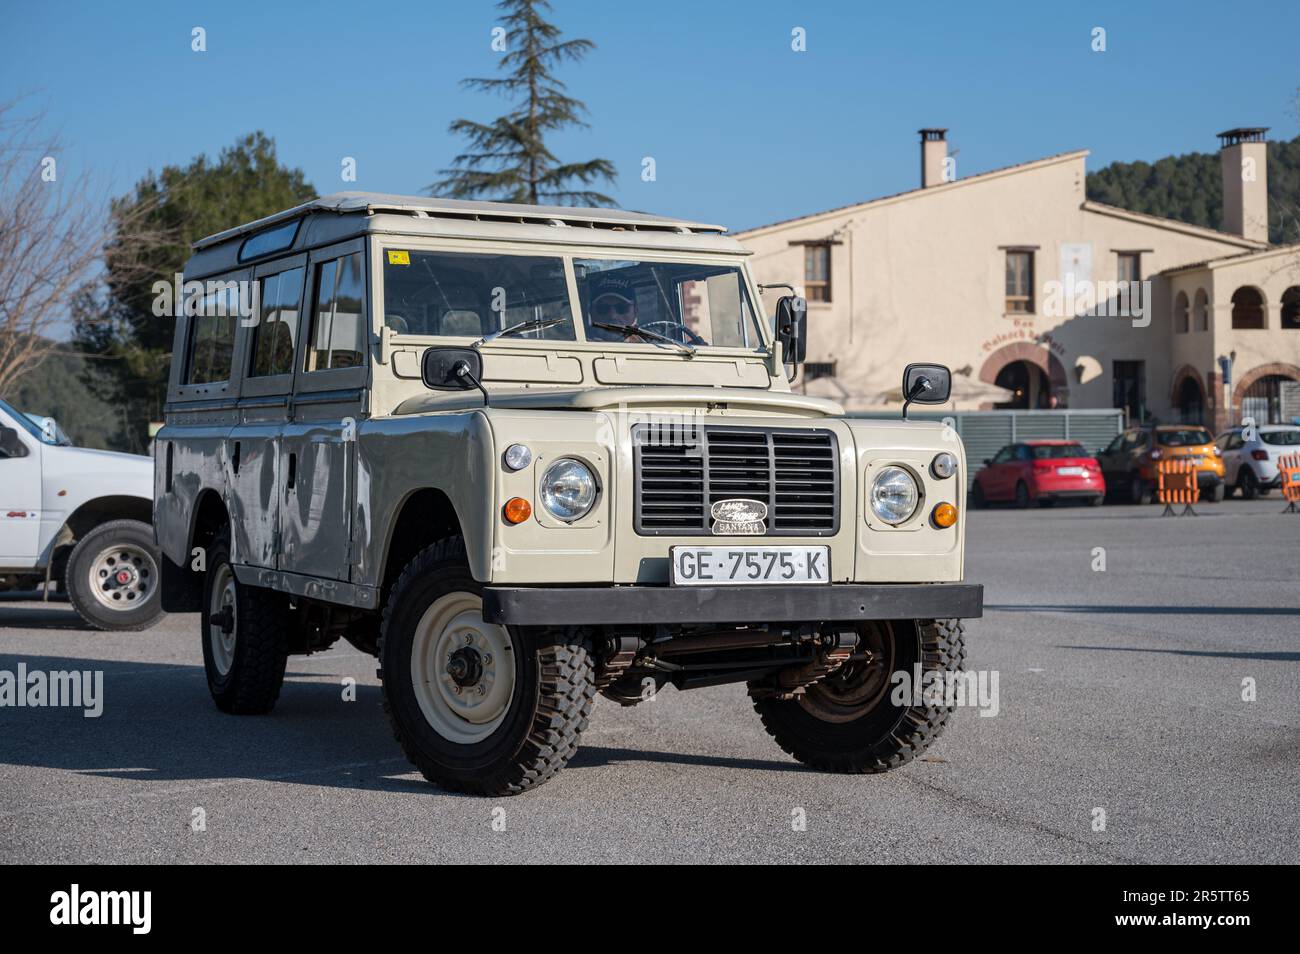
[(568, 489), (518, 456), (894, 495), (945, 465)]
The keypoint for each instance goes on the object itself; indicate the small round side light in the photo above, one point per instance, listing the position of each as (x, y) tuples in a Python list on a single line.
[(944, 515), (518, 456), (517, 510)]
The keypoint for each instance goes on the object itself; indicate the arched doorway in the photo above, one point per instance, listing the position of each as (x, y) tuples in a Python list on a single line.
[(1028, 385), (1190, 402), (1033, 373), (1262, 400)]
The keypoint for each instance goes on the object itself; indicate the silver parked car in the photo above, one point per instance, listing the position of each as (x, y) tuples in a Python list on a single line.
[(1250, 456)]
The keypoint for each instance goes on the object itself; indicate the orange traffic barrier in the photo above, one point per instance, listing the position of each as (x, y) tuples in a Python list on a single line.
[(1288, 466), (1176, 484)]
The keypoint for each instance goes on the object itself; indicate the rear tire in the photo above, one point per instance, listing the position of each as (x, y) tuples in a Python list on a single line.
[(113, 579), (477, 707), (849, 721), (1022, 495), (977, 500), (1139, 491), (1248, 483), (245, 662)]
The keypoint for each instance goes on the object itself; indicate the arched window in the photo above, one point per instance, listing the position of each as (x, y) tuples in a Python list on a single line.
[(1291, 308), (1180, 314), (1201, 310), (1247, 308)]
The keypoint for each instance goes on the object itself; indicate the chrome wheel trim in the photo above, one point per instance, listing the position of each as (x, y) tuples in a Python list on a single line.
[(122, 577)]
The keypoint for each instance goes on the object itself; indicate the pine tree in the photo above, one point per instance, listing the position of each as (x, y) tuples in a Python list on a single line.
[(508, 159)]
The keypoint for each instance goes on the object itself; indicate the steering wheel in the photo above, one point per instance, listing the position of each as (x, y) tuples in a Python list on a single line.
[(676, 331)]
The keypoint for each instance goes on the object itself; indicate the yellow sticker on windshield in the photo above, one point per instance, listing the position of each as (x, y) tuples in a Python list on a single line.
[(398, 258)]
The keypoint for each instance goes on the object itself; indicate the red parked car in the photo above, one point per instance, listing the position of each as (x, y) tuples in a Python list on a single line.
[(1043, 471)]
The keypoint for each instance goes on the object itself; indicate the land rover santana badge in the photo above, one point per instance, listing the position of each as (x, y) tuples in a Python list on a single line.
[(739, 517)]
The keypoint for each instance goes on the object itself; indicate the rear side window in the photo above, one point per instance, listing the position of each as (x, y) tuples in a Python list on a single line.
[(277, 326), (1280, 438), (1186, 437), (1058, 451), (212, 334), (338, 324)]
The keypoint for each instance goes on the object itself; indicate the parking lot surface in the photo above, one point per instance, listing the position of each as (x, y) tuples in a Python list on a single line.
[(1120, 699)]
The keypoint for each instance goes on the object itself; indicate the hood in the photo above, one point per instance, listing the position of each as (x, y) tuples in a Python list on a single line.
[(607, 398)]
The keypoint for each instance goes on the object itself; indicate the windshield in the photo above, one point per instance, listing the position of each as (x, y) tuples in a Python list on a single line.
[(692, 304), (1183, 438), (30, 426), (471, 295), (1280, 438), (1058, 451)]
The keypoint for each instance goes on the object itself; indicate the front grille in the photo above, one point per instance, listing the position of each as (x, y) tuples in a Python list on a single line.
[(682, 470)]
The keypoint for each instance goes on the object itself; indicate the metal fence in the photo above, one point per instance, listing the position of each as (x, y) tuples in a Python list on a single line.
[(984, 433)]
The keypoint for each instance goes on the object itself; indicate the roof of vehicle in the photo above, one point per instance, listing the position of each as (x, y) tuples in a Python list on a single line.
[(343, 215), (1054, 442), (369, 203)]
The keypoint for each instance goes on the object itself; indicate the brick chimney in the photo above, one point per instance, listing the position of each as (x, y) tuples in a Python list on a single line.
[(1244, 154), (934, 150)]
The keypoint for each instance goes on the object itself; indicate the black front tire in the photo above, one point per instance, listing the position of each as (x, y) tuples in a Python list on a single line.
[(977, 499), (1248, 484), (139, 604), (1022, 495), (553, 689), (823, 733), (247, 680)]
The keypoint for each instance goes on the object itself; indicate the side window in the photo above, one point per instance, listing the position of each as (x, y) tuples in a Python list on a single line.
[(277, 326), (1002, 456), (212, 334), (1114, 445), (1024, 453), (338, 324)]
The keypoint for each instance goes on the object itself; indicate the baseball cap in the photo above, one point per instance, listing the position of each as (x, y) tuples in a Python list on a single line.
[(612, 285)]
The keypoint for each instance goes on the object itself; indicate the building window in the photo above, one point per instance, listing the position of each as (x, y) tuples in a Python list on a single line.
[(1180, 314), (1291, 308), (812, 370), (1201, 310), (1130, 266), (1020, 283), (817, 272), (1247, 308)]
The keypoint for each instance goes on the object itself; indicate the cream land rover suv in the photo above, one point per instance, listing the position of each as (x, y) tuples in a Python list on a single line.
[(527, 455)]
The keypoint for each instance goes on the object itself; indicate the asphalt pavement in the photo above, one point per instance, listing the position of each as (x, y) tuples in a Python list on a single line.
[(1159, 696)]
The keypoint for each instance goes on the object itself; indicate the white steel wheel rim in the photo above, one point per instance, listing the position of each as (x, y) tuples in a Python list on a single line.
[(224, 598), (462, 669), (123, 577)]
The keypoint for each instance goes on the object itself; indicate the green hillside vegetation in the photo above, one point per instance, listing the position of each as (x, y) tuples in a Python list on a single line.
[(1190, 188)]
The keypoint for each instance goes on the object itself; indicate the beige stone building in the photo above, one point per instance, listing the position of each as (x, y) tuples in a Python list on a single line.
[(1037, 297)]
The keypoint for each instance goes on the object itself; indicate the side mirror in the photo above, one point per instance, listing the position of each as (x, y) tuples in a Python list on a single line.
[(925, 384), (988, 460), (444, 369), (10, 445), (792, 328)]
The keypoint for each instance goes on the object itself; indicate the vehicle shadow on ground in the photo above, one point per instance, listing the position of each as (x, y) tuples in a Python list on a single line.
[(1259, 655), (51, 615), (159, 725), (597, 756)]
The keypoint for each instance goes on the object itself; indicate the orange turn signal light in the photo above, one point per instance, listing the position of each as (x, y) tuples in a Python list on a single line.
[(944, 515), (517, 510)]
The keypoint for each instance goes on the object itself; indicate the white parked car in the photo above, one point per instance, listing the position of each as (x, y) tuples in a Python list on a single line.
[(1250, 456), (79, 518)]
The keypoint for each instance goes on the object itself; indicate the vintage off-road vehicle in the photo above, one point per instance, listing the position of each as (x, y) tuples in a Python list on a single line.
[(527, 455)]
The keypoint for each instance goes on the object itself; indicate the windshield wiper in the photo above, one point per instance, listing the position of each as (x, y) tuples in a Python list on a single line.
[(627, 331), (532, 324)]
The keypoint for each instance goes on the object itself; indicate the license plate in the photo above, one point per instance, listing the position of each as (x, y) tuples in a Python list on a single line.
[(1070, 471), (707, 566)]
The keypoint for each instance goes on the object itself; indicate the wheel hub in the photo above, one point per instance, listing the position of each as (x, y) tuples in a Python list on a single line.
[(122, 576), (465, 667)]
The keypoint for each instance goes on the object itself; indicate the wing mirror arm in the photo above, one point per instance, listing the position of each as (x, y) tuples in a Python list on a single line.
[(464, 373)]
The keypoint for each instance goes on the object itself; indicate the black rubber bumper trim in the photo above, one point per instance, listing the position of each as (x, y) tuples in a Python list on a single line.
[(615, 605)]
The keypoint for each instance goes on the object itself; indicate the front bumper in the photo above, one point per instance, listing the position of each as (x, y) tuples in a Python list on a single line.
[(637, 605)]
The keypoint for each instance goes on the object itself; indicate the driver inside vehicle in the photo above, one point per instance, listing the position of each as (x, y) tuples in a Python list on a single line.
[(613, 302)]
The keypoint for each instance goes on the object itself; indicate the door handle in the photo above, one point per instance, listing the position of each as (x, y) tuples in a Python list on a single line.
[(293, 472)]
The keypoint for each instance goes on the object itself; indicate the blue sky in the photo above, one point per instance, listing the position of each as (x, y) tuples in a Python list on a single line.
[(743, 130)]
